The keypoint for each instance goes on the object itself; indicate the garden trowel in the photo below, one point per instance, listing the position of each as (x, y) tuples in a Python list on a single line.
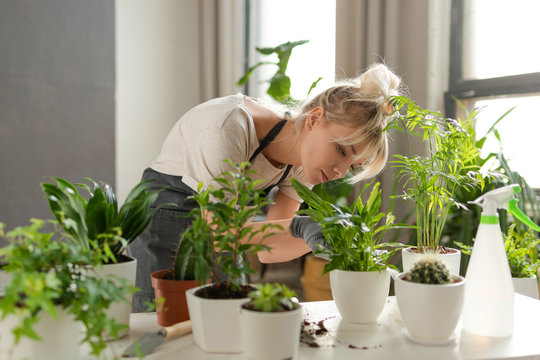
[(149, 342)]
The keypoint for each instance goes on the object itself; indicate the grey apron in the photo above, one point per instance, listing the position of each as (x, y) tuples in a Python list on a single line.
[(156, 247)]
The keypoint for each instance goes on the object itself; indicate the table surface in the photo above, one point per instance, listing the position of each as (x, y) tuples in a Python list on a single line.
[(384, 339)]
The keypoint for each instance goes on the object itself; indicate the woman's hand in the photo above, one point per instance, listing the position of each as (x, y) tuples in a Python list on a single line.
[(309, 230)]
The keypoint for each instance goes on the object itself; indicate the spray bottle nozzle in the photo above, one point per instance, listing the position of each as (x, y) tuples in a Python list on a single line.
[(496, 199), (503, 198), (518, 214)]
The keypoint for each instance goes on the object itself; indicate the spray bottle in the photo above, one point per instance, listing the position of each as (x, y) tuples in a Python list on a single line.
[(488, 308)]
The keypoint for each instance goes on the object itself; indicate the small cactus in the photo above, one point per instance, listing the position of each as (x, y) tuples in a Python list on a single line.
[(429, 271)]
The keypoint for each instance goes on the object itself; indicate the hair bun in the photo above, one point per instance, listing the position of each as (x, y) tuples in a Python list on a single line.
[(379, 80)]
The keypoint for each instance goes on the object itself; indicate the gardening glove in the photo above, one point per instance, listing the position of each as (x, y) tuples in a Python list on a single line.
[(305, 228)]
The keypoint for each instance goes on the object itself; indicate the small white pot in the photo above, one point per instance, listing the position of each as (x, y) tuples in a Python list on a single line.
[(215, 322), (121, 311), (270, 336), (430, 312), (60, 338), (360, 295), (526, 286), (452, 259)]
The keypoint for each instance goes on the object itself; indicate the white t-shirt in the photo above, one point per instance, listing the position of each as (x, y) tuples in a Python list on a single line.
[(219, 129)]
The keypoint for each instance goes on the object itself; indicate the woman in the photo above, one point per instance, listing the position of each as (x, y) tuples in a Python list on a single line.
[(338, 131)]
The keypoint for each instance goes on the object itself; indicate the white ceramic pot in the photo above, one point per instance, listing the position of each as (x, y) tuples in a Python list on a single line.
[(215, 323), (430, 312), (121, 311), (60, 338), (270, 336), (526, 286), (452, 259), (360, 295)]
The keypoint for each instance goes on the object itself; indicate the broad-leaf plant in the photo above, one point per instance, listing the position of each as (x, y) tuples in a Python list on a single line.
[(98, 223), (353, 233)]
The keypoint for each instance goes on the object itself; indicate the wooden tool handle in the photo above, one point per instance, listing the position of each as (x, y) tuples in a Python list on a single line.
[(178, 329)]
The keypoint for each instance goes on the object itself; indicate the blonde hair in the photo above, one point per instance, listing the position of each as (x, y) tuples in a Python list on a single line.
[(365, 103)]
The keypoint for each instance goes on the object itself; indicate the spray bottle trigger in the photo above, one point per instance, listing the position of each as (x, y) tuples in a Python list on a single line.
[(516, 211)]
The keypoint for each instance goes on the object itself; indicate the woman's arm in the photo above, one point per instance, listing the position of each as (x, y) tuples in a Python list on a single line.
[(284, 247)]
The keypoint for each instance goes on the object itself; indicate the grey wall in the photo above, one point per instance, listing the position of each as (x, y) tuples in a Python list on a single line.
[(57, 105)]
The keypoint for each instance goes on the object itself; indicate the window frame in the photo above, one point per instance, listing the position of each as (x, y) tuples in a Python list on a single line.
[(463, 89)]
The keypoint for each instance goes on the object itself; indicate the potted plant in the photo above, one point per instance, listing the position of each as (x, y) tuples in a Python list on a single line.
[(431, 182), (522, 254), (170, 285), (430, 300), (98, 224), (358, 266), (54, 288), (227, 209), (270, 323)]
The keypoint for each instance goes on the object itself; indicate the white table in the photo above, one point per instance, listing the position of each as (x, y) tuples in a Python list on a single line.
[(382, 340)]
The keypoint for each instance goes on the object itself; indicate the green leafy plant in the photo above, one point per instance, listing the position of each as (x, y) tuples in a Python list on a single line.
[(429, 271), (98, 223), (272, 298), (521, 251), (222, 222), (354, 233), (280, 83), (47, 271), (431, 182), (462, 223)]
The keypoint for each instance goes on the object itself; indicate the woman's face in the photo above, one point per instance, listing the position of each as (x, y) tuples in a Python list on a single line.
[(322, 158)]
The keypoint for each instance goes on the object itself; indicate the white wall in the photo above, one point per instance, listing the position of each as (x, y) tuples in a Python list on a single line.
[(157, 79)]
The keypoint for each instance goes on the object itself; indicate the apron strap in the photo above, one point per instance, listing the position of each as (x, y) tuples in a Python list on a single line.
[(271, 135), (268, 138)]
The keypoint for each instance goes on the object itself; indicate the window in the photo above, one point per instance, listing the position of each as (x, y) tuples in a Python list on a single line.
[(278, 21), (495, 66)]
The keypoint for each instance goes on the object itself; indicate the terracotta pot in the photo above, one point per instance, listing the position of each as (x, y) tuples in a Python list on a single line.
[(451, 259), (174, 307)]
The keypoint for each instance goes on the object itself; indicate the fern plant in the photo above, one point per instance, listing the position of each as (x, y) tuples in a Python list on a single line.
[(354, 233), (98, 223)]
